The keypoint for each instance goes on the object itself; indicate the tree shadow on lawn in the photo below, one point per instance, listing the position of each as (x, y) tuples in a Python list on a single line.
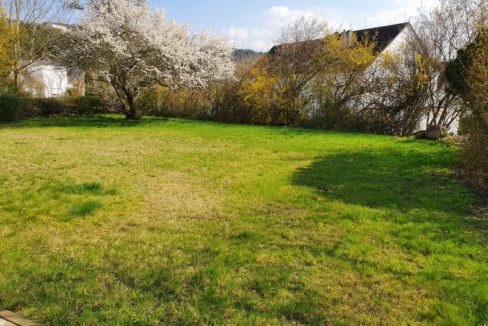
[(428, 213), (95, 121), (389, 178)]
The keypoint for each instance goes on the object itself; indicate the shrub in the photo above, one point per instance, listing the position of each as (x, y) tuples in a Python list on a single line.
[(468, 75), (330, 117), (88, 104), (153, 101), (475, 156), (227, 104), (184, 103), (7, 88), (49, 106), (29, 109), (450, 140), (10, 107)]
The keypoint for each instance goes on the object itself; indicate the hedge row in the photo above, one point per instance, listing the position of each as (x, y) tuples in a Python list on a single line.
[(14, 107)]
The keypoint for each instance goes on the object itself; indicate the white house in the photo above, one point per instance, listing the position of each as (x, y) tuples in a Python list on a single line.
[(46, 79), (388, 39), (393, 39)]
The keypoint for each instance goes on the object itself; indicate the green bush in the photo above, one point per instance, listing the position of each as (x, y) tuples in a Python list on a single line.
[(13, 107), (184, 103), (154, 101), (8, 89), (29, 110), (10, 107), (89, 104), (475, 155), (49, 106)]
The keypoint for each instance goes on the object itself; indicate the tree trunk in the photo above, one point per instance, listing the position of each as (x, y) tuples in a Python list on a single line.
[(17, 79), (130, 108)]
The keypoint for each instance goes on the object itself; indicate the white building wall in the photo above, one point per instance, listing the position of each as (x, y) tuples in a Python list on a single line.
[(397, 47), (56, 81), (46, 80), (399, 43)]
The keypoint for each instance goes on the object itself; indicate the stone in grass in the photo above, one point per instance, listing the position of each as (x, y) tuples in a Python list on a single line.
[(432, 133), (9, 318)]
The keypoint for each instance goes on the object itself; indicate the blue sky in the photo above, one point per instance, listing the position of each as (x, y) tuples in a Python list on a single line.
[(256, 23)]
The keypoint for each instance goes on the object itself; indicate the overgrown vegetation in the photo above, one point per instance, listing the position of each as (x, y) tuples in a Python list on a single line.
[(110, 221), (468, 75), (20, 106), (11, 107)]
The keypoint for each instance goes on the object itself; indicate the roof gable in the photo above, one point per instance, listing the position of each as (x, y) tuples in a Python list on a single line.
[(382, 36)]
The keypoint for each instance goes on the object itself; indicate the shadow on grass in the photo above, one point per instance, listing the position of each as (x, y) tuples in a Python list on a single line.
[(82, 198), (429, 215), (115, 120), (402, 180), (95, 121)]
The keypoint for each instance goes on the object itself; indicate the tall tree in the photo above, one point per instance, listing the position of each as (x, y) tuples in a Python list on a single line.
[(32, 31), (5, 44), (131, 48)]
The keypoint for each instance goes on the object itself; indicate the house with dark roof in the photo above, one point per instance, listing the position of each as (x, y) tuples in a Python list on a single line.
[(391, 39), (388, 39)]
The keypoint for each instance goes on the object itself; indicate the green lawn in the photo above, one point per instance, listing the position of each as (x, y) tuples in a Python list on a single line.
[(105, 221)]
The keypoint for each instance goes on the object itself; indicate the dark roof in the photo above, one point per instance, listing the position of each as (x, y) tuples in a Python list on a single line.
[(382, 36)]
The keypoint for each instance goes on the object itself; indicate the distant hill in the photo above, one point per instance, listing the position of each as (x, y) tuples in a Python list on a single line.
[(245, 55)]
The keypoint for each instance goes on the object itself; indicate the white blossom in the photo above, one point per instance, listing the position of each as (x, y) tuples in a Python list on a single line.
[(132, 48)]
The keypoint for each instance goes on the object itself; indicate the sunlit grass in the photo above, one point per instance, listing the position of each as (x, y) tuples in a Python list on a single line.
[(106, 221)]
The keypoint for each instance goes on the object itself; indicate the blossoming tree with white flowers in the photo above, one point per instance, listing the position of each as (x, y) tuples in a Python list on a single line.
[(131, 48)]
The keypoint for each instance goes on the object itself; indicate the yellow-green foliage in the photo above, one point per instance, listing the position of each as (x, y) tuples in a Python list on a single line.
[(350, 54), (475, 151), (257, 89), (184, 102), (280, 88), (343, 68), (258, 92), (389, 64), (6, 43)]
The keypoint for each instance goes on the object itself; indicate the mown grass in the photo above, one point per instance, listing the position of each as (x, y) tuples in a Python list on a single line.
[(105, 221)]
